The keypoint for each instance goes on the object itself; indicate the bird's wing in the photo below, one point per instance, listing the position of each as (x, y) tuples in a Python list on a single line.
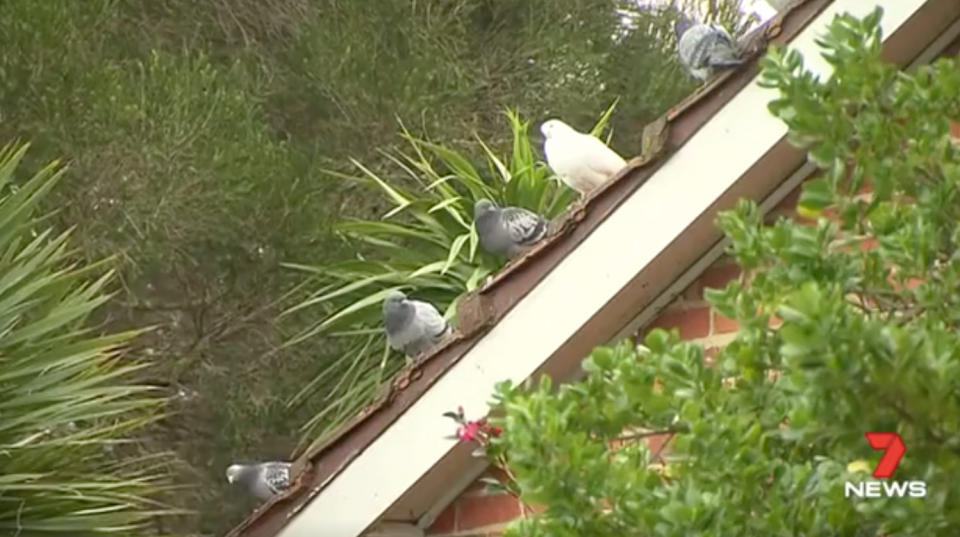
[(433, 323), (600, 158), (721, 49), (400, 331), (276, 475), (522, 225), (691, 45), (722, 35)]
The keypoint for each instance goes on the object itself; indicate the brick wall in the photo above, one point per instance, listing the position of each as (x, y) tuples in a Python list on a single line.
[(477, 514)]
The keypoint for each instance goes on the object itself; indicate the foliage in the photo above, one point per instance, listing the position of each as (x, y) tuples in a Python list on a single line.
[(763, 439), (69, 410), (426, 244)]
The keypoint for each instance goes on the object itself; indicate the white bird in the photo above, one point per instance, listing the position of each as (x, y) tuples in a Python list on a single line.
[(580, 160), (262, 480)]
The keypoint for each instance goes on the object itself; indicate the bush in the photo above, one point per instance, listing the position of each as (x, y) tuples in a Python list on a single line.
[(71, 462)]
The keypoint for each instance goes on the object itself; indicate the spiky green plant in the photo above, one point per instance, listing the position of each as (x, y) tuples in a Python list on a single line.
[(67, 408), (425, 245)]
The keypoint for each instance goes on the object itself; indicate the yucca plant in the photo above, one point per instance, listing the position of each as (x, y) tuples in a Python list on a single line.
[(426, 245), (67, 408)]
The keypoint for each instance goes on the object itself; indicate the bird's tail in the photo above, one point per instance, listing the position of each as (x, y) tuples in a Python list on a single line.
[(725, 63), (538, 232)]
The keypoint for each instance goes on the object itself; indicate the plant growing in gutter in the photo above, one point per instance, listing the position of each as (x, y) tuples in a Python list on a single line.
[(425, 244)]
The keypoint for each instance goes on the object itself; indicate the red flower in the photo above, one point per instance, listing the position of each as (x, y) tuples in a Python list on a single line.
[(486, 428), (468, 431)]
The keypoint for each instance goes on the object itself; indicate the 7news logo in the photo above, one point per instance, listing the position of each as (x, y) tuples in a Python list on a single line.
[(893, 450)]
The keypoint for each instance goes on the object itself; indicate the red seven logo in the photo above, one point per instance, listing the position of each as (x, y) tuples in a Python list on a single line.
[(893, 450)]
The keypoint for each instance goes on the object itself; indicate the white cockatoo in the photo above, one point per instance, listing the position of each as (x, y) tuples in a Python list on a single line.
[(580, 160)]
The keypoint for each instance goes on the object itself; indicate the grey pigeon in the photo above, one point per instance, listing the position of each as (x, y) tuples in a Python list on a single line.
[(704, 48), (412, 326), (509, 231), (262, 480)]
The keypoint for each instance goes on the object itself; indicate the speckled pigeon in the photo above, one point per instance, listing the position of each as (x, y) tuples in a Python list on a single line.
[(262, 480), (412, 326), (704, 48), (509, 231), (582, 161)]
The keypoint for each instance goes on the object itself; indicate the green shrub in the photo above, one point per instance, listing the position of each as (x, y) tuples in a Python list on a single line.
[(69, 410)]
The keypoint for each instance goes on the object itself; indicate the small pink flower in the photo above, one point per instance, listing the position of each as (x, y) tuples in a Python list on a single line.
[(468, 431)]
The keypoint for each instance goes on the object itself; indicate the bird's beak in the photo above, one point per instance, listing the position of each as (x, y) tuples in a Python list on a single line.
[(230, 479)]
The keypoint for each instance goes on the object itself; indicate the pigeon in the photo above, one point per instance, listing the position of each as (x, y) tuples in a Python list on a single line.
[(412, 326), (262, 480), (704, 48), (509, 231), (581, 161)]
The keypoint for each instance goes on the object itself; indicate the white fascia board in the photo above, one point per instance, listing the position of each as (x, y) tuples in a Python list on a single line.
[(650, 219)]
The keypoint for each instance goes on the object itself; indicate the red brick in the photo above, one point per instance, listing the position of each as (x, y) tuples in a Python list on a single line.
[(479, 511), (656, 442), (723, 325), (717, 276), (868, 244), (693, 294), (692, 322), (446, 522), (478, 486), (659, 444), (789, 203)]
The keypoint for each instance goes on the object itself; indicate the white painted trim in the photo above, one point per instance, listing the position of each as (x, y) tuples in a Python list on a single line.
[(684, 187)]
